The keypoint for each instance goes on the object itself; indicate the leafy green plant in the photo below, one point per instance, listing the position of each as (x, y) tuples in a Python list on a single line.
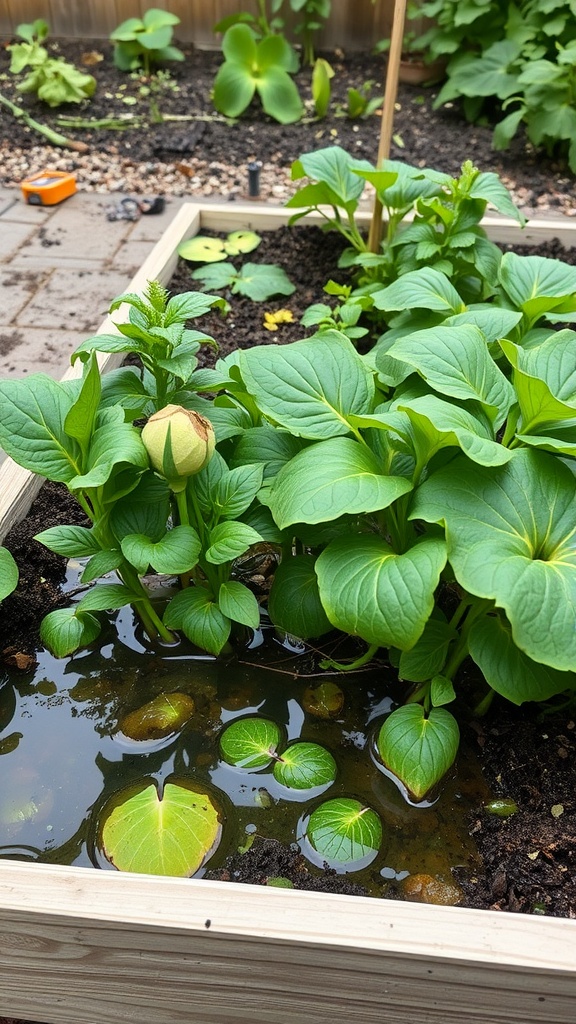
[(361, 103), (521, 54), (257, 66), (145, 42), (52, 79), (322, 74), (343, 317), (255, 743), (258, 281), (313, 13)]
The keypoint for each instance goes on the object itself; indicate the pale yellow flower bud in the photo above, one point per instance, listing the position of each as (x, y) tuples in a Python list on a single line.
[(179, 442)]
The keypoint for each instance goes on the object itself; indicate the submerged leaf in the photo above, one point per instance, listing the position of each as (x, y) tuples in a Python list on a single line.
[(161, 716), (171, 834)]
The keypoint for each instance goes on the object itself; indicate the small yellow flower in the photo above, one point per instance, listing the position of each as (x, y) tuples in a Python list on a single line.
[(281, 316)]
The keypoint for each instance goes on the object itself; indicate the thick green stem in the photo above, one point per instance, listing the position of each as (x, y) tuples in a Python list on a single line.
[(483, 706), (150, 620), (460, 651), (352, 665), (53, 137)]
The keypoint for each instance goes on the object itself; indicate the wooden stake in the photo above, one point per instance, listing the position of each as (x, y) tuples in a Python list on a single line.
[(390, 92)]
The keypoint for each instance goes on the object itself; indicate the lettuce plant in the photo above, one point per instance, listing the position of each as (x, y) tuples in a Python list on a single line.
[(257, 66), (52, 79)]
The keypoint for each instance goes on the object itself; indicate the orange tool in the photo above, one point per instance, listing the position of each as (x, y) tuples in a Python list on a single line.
[(48, 188)]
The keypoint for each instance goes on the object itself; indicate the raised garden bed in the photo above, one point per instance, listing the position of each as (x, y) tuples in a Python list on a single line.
[(83, 945)]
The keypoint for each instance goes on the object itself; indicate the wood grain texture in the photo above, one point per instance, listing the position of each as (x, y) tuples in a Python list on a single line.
[(100, 947), (353, 24)]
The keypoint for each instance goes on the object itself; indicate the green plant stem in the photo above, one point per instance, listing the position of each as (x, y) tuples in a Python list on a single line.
[(182, 506), (150, 620), (53, 137), (352, 665), (483, 706), (460, 651)]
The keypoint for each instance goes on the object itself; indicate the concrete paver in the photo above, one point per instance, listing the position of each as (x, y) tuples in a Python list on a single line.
[(60, 267)]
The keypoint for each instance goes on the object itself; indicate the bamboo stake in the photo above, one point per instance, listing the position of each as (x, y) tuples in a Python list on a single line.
[(49, 134), (390, 92)]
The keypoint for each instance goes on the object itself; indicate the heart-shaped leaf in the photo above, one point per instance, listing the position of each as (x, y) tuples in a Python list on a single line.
[(66, 629), (239, 604), (511, 539), (418, 748), (202, 250), (250, 742), (309, 387), (507, 669), (8, 574), (229, 540), (427, 657), (175, 553), (305, 766), (536, 284), (344, 831), (294, 602), (426, 288), (330, 479), (195, 612), (160, 717), (401, 588), (171, 834)]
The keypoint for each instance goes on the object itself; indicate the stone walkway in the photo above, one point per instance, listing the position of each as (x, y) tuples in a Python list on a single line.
[(60, 267)]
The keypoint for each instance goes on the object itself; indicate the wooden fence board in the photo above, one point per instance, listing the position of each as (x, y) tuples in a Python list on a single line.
[(353, 24)]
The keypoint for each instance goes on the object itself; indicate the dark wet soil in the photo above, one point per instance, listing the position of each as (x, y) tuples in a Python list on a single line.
[(422, 136)]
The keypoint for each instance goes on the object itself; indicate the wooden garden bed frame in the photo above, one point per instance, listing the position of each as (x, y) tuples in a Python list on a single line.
[(99, 947)]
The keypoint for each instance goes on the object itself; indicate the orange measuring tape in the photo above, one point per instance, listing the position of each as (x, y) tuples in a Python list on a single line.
[(48, 188)]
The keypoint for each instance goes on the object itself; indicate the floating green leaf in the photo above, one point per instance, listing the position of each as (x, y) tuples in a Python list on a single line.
[(305, 766), (250, 742), (203, 249), (419, 748), (160, 717), (344, 831), (169, 834)]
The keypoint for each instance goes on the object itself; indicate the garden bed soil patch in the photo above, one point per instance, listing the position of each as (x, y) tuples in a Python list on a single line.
[(529, 859), (206, 154)]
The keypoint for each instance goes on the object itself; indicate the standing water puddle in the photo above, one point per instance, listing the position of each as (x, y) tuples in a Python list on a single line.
[(63, 757)]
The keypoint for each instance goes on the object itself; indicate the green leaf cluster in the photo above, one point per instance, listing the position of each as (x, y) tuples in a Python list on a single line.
[(261, 66), (145, 42), (51, 79), (521, 54)]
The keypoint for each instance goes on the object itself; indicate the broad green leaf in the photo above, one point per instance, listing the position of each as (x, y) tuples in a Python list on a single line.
[(106, 597), (159, 717), (124, 387), (294, 601), (539, 407), (334, 169), (305, 766), (250, 742), (216, 275), (418, 748), (175, 553), (330, 479), (239, 604), (426, 288), (455, 361), (494, 322), (344, 831), (172, 833), (489, 187), (427, 657), (32, 426), (67, 629), (8, 574), (80, 419), (100, 564), (507, 669), (229, 540), (241, 241), (70, 541), (235, 490), (111, 444), (279, 95), (537, 285), (200, 619), (202, 250), (261, 281), (552, 360), (512, 539), (369, 591), (441, 691), (145, 510), (309, 387), (233, 88), (273, 447), (188, 306)]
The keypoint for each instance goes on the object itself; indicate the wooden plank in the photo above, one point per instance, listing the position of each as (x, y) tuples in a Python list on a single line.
[(82, 20), (86, 947)]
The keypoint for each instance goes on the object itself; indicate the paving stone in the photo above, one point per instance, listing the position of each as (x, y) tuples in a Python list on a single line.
[(73, 300), (151, 226), (21, 213), (16, 289), (12, 237), (32, 350), (23, 261), (131, 256), (8, 197), (81, 230)]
